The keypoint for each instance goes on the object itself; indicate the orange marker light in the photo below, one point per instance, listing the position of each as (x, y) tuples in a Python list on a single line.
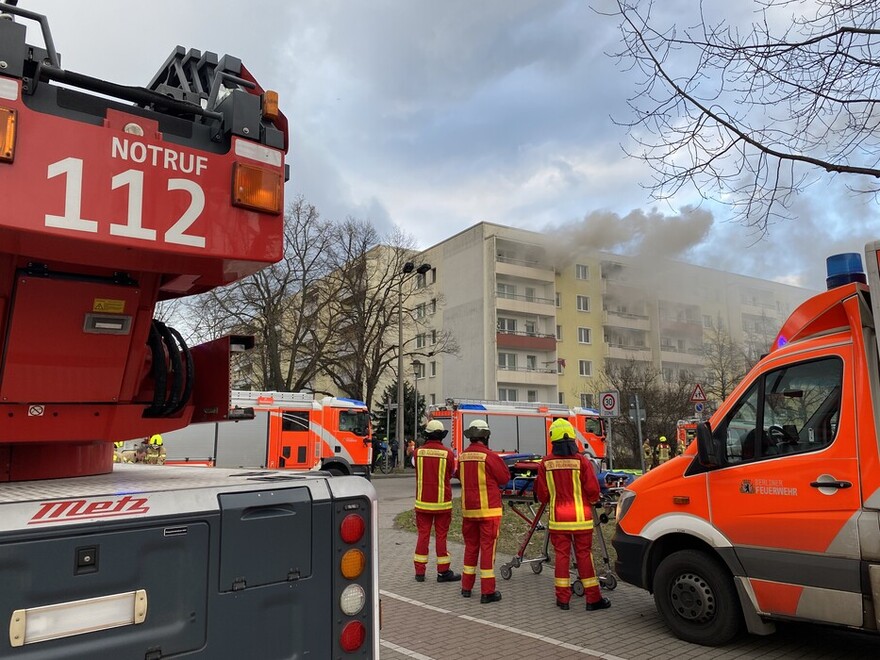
[(270, 105), (352, 563), (681, 499), (256, 188), (7, 134)]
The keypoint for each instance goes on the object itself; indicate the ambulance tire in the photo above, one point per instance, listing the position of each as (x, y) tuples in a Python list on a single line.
[(696, 597)]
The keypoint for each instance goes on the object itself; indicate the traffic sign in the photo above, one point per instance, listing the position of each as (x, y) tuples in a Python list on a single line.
[(609, 404), (698, 395), (698, 407)]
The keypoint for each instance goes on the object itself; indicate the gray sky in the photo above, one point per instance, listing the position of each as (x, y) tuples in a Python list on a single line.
[(436, 115)]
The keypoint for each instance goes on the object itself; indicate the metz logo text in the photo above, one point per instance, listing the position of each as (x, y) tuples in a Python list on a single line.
[(68, 510)]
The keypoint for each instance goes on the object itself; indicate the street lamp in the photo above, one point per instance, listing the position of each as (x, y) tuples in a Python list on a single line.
[(417, 371), (408, 268)]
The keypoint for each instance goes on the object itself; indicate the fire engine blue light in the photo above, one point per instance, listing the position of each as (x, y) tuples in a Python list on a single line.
[(782, 341), (590, 411), (843, 269), (472, 406), (354, 402)]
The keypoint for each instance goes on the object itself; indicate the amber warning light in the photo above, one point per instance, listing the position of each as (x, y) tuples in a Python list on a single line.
[(7, 135), (256, 188)]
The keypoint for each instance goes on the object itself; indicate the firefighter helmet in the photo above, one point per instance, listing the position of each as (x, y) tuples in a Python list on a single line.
[(155, 440), (434, 430), (477, 430), (662, 438), (561, 429), (119, 445)]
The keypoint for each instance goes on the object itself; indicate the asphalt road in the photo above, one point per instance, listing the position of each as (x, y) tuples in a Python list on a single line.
[(431, 621)]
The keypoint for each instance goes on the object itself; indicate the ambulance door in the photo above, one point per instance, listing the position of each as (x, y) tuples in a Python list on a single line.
[(788, 499)]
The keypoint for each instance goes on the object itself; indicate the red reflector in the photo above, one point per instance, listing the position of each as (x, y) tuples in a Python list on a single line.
[(352, 528), (681, 499), (353, 636)]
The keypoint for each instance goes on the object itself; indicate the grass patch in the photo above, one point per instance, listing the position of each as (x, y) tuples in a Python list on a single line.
[(512, 534)]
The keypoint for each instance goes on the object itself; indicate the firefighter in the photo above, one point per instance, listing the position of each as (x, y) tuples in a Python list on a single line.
[(649, 454), (567, 484), (409, 451), (119, 456), (434, 464), (662, 450), (482, 473), (154, 453)]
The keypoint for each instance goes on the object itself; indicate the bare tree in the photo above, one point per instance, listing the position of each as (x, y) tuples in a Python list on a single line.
[(368, 276), (724, 365), (271, 305), (754, 117)]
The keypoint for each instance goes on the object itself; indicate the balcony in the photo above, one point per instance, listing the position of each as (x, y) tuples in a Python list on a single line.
[(621, 352), (626, 320), (522, 269), (525, 304), (526, 341), (692, 356), (524, 376)]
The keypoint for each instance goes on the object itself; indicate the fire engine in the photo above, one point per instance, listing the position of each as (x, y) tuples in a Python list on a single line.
[(773, 513), (518, 427), (685, 432), (288, 430), (115, 197)]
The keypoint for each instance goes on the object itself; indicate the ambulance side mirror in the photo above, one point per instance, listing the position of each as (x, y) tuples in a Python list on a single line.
[(710, 451)]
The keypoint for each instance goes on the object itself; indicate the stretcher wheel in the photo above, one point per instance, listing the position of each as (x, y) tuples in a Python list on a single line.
[(577, 588), (609, 582), (516, 561), (537, 567), (506, 573)]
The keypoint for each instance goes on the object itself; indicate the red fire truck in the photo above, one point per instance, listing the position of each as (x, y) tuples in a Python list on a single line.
[(773, 512), (289, 430), (115, 197), (520, 427)]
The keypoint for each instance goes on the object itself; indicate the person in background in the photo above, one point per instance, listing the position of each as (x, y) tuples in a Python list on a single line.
[(648, 453), (410, 453), (376, 450), (393, 453), (119, 455), (567, 483), (482, 473), (663, 452), (154, 450), (434, 466)]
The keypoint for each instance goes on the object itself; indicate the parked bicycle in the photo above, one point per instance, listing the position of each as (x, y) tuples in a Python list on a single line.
[(383, 461)]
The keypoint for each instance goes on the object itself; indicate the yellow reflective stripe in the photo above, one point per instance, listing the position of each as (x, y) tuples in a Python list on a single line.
[(419, 473), (551, 486), (578, 496), (561, 582), (434, 506), (441, 477), (487, 573), (481, 513), (444, 560), (571, 526), (421, 559), (481, 481), (469, 570), (591, 582)]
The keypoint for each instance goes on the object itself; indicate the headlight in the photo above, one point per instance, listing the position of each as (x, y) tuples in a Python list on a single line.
[(627, 497)]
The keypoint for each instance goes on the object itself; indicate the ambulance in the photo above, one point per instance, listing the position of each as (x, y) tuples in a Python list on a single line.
[(773, 513)]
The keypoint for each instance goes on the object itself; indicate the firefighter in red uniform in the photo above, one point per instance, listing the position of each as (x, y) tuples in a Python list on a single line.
[(434, 465), (567, 483), (482, 473)]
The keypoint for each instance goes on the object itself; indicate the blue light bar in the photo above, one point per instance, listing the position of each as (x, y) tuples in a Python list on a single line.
[(843, 269), (472, 406), (353, 402)]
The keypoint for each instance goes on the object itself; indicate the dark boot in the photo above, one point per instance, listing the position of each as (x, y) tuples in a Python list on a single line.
[(465, 593), (448, 576), (562, 606), (602, 604), (420, 578), (490, 598)]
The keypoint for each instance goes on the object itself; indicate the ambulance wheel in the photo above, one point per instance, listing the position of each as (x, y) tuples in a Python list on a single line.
[(537, 567), (506, 573), (696, 597)]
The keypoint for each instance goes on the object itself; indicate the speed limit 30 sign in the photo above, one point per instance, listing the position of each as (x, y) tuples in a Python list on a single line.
[(609, 404)]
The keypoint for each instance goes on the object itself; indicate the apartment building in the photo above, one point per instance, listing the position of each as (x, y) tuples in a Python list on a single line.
[(533, 325)]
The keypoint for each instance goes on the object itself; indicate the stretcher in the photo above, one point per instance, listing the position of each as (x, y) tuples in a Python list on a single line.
[(519, 495)]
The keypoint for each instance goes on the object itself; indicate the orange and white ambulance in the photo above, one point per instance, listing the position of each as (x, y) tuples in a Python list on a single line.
[(773, 514), (520, 428)]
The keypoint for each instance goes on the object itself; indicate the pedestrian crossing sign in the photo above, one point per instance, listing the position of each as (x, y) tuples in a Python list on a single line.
[(698, 395)]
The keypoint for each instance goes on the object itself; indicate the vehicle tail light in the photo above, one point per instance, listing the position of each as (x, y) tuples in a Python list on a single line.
[(352, 564), (352, 528), (352, 600), (7, 134), (270, 105), (353, 636), (256, 188)]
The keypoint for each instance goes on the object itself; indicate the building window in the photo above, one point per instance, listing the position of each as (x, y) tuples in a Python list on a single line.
[(530, 294), (433, 274), (419, 370), (420, 341), (506, 325), (585, 336), (585, 367), (432, 306), (532, 396), (530, 327), (583, 303), (433, 369), (433, 337), (558, 300), (560, 366), (586, 400), (420, 311), (582, 272), (558, 333), (433, 399), (506, 394), (562, 398), (420, 280), (506, 290), (507, 360), (707, 321), (531, 362)]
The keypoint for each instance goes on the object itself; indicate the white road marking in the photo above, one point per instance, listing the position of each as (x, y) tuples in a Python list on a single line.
[(501, 626), (406, 652)]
